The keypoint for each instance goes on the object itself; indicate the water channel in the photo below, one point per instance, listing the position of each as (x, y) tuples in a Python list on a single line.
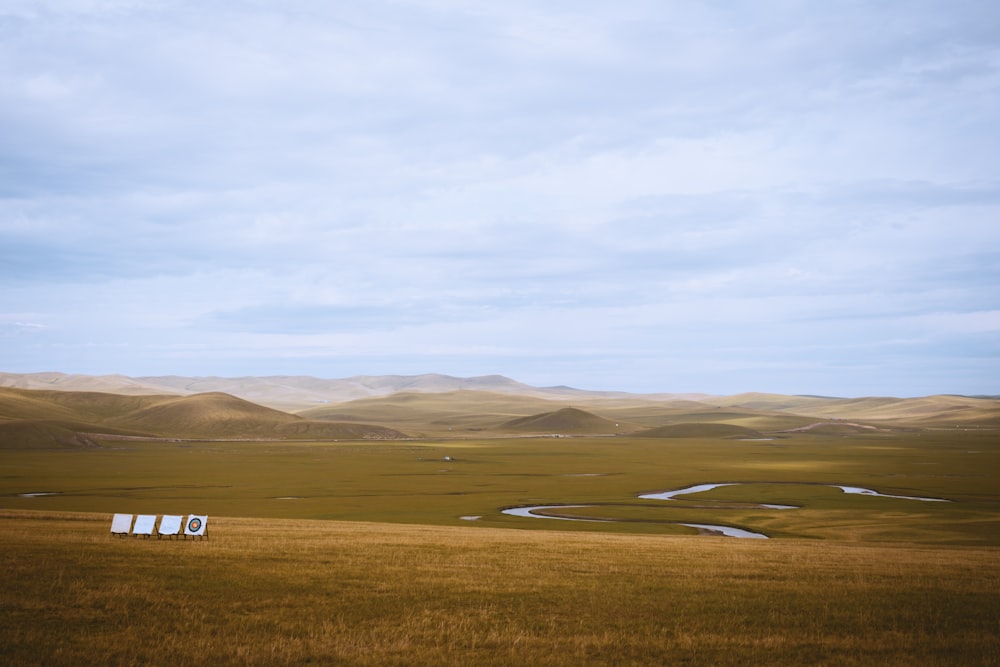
[(711, 529)]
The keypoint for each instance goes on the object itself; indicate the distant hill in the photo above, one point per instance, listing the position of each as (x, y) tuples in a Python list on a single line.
[(112, 384), (294, 393), (46, 418), (78, 406), (445, 413), (942, 410), (208, 415), (436, 404), (569, 421)]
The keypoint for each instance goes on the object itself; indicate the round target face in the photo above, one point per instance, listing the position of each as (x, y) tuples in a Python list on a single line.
[(194, 525)]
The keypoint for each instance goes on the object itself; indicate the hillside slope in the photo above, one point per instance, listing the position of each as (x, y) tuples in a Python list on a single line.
[(439, 404), (44, 417), (293, 393), (30, 434), (570, 421)]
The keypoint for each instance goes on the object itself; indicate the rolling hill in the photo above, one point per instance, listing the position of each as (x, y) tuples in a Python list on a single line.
[(568, 421), (436, 405), (297, 393), (208, 415), (62, 418)]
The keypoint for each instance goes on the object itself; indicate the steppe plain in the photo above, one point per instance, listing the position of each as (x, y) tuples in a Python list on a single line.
[(360, 522)]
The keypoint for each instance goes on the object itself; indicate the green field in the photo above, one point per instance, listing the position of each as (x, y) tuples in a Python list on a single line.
[(367, 553), (412, 482)]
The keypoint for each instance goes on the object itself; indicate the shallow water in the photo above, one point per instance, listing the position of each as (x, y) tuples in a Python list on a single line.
[(530, 512), (870, 492), (728, 531), (698, 488)]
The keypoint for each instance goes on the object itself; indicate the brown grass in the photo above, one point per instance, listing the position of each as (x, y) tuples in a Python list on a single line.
[(295, 592)]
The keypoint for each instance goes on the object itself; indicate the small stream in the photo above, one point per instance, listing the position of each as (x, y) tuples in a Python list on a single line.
[(712, 529)]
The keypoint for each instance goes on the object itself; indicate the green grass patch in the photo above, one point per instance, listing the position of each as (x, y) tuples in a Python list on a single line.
[(438, 482)]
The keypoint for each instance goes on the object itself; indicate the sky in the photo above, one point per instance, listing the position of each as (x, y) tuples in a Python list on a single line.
[(647, 195)]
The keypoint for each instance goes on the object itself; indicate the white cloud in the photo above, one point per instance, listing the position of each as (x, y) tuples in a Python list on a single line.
[(599, 190)]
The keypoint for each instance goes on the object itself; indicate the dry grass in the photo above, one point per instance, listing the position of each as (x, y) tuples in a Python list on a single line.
[(868, 581), (296, 592)]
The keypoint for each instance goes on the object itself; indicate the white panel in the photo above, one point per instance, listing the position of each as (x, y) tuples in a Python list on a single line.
[(170, 524), (144, 524), (121, 524), (195, 525)]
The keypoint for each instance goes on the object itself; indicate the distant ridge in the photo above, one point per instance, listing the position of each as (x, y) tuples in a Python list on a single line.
[(326, 399), (59, 419), (296, 392)]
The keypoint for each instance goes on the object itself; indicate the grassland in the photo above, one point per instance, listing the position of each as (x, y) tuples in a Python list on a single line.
[(286, 592), (413, 482), (362, 552)]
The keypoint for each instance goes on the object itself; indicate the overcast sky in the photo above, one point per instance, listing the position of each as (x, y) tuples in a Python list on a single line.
[(776, 195)]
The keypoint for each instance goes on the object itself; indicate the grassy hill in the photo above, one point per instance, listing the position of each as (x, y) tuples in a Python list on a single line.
[(38, 418), (205, 415), (926, 410), (439, 405), (570, 421), (449, 413), (296, 393)]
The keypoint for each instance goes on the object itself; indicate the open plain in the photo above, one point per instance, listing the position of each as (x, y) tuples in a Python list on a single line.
[(384, 549)]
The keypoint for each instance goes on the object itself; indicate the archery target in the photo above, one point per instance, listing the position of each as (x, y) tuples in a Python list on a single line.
[(195, 525)]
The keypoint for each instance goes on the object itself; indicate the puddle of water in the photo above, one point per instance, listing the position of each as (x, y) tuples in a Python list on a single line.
[(530, 512), (870, 492), (669, 495), (39, 494), (728, 531), (470, 518)]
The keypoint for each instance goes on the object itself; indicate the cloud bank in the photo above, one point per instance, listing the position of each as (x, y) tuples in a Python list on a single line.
[(654, 196)]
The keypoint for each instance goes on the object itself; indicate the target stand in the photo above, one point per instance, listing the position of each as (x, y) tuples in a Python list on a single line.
[(196, 526)]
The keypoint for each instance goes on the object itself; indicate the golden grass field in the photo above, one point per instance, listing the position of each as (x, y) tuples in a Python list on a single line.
[(361, 552), (291, 592)]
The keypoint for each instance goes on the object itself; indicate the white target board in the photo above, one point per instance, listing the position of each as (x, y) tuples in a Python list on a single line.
[(121, 524), (195, 525), (144, 524), (170, 524)]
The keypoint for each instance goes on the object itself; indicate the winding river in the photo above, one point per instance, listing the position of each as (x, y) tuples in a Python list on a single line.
[(712, 529)]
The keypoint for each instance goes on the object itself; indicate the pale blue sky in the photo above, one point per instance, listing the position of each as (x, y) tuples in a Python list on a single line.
[(785, 196)]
